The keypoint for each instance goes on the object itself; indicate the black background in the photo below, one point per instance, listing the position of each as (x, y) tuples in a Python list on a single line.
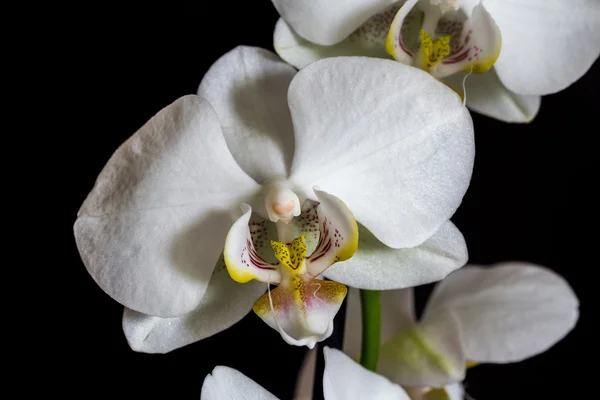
[(530, 199)]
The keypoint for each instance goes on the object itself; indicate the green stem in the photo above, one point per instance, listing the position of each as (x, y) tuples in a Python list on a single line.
[(371, 324)]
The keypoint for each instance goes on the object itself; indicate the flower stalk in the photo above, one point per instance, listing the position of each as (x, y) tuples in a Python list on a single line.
[(371, 327)]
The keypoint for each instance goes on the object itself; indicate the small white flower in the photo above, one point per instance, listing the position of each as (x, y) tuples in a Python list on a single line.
[(537, 47), (388, 139), (502, 314)]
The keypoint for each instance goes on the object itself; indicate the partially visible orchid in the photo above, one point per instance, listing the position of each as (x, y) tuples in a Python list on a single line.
[(162, 225), (502, 314), (343, 379), (306, 376), (529, 48)]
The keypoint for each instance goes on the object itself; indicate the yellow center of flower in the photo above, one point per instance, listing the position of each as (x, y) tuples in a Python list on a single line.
[(433, 51), (292, 256)]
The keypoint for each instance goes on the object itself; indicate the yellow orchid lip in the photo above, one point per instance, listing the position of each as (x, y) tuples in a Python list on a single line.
[(301, 308)]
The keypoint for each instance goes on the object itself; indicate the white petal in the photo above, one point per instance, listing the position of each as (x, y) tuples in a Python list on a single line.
[(430, 354), (345, 379), (455, 391), (367, 40), (327, 22), (487, 95), (302, 311), (378, 267), (224, 303), (248, 89), (306, 377), (338, 234), (229, 384), (546, 44), (153, 227), (397, 313), (395, 145), (509, 312), (244, 261)]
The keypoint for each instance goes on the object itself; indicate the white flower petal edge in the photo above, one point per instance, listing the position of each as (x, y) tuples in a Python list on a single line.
[(224, 303), (152, 228), (397, 313), (487, 95), (345, 379), (378, 267), (375, 145), (368, 40), (508, 312), (546, 44), (248, 89), (327, 22), (455, 391), (226, 383)]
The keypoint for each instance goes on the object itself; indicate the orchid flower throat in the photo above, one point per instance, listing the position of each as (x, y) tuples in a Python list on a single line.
[(438, 36), (309, 240)]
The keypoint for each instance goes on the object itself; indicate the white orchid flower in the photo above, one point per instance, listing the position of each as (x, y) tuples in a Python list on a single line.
[(502, 314), (306, 375), (392, 142), (343, 379), (537, 47)]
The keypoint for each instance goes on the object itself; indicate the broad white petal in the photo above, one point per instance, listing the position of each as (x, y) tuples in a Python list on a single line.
[(397, 313), (367, 40), (327, 22), (487, 95), (338, 234), (306, 376), (153, 226), (429, 354), (303, 313), (509, 312), (396, 145), (243, 259), (546, 44), (248, 89), (345, 379), (229, 384), (224, 303), (378, 267)]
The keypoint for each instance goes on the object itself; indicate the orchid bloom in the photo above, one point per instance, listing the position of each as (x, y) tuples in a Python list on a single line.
[(536, 47), (395, 145), (502, 314), (343, 379), (306, 376)]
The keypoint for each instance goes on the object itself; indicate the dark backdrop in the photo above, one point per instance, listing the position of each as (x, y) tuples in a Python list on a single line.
[(530, 199)]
